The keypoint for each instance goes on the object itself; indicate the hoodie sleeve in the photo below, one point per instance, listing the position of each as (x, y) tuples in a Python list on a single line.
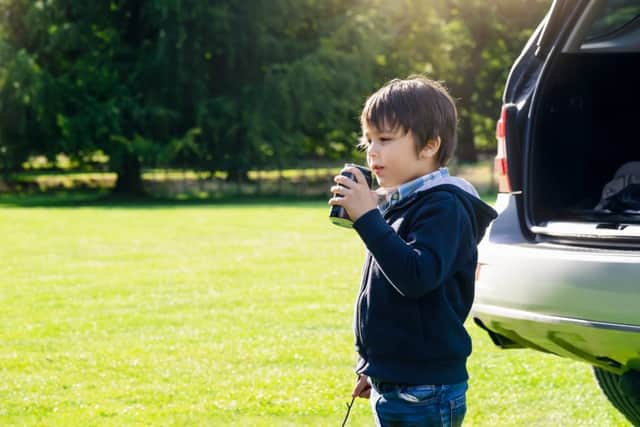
[(420, 263)]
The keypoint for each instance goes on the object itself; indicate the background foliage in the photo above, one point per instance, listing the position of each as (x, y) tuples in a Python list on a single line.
[(229, 86)]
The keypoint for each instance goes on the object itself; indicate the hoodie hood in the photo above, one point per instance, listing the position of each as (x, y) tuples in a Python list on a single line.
[(481, 214), (463, 184)]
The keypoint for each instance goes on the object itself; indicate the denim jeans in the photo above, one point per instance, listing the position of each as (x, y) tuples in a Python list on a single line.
[(418, 405)]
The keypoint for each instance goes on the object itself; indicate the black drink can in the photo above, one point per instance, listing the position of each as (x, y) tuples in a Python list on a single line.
[(338, 214)]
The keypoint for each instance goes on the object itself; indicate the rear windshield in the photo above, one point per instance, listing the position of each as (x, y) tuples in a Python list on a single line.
[(614, 17)]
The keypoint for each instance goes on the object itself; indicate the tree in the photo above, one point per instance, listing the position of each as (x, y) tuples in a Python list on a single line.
[(482, 39), (98, 79), (291, 79), (230, 85)]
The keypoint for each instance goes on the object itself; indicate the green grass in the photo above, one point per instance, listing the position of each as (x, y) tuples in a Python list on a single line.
[(220, 314)]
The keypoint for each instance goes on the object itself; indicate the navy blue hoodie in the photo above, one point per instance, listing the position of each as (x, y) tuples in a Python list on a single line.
[(417, 286)]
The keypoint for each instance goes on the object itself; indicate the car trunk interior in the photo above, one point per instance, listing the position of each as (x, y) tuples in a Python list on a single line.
[(588, 126)]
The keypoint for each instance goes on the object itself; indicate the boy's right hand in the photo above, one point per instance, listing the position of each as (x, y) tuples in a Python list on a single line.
[(362, 388), (353, 194)]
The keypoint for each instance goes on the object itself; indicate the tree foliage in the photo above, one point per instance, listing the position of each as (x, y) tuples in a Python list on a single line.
[(229, 85)]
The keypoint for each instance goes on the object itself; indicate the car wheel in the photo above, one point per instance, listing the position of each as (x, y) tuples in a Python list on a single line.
[(623, 391)]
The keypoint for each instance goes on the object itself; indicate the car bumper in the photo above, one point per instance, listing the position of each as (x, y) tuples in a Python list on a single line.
[(578, 283), (573, 301), (612, 346)]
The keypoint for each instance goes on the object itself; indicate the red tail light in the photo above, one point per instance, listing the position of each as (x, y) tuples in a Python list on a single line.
[(501, 165)]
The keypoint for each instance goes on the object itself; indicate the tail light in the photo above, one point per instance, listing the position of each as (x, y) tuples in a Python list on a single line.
[(501, 166)]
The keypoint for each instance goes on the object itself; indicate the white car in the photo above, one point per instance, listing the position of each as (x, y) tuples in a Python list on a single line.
[(559, 269)]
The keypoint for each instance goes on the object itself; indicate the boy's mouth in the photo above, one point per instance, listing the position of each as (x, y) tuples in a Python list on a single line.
[(377, 169)]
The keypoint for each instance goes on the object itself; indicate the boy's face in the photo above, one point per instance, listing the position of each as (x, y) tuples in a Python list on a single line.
[(392, 157)]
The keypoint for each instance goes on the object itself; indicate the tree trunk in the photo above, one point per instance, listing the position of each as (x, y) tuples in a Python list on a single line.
[(129, 180), (238, 174)]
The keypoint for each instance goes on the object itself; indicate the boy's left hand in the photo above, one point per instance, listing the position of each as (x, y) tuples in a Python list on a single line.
[(362, 387), (357, 198)]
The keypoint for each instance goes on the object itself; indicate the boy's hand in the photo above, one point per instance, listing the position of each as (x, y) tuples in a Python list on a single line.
[(362, 388), (357, 198)]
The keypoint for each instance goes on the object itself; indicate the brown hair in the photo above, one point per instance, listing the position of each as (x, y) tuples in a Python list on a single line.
[(417, 104)]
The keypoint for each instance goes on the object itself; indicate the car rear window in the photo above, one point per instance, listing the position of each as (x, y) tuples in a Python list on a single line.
[(614, 17)]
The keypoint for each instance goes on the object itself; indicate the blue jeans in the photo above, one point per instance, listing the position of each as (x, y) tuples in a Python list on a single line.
[(418, 405)]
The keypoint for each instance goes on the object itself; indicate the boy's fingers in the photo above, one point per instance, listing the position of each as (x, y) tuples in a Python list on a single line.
[(357, 173), (339, 189), (361, 389), (356, 391), (343, 180), (366, 393)]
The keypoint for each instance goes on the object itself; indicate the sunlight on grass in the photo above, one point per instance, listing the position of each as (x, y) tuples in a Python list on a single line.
[(217, 315)]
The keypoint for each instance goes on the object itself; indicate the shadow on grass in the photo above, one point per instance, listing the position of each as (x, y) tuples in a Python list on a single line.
[(105, 199)]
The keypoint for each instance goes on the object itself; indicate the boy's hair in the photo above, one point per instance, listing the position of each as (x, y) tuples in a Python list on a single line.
[(419, 105)]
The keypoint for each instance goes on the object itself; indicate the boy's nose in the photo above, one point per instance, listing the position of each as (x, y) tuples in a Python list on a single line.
[(373, 149)]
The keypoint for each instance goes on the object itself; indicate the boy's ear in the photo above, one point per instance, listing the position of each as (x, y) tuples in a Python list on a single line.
[(431, 148)]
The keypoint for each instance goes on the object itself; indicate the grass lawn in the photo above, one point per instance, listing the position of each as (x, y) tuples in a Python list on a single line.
[(219, 314)]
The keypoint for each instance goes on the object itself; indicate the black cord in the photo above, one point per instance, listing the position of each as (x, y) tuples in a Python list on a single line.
[(346, 417)]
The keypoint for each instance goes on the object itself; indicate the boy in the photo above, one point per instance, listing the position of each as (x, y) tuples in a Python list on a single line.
[(418, 278)]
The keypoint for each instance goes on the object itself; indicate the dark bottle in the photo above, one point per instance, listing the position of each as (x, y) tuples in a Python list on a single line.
[(338, 214)]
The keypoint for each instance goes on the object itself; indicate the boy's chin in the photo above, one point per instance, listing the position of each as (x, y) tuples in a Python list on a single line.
[(380, 180), (384, 183)]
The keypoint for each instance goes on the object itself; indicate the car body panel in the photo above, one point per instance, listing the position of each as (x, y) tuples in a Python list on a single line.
[(554, 279)]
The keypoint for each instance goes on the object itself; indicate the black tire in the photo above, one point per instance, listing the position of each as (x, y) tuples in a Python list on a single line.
[(622, 394)]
